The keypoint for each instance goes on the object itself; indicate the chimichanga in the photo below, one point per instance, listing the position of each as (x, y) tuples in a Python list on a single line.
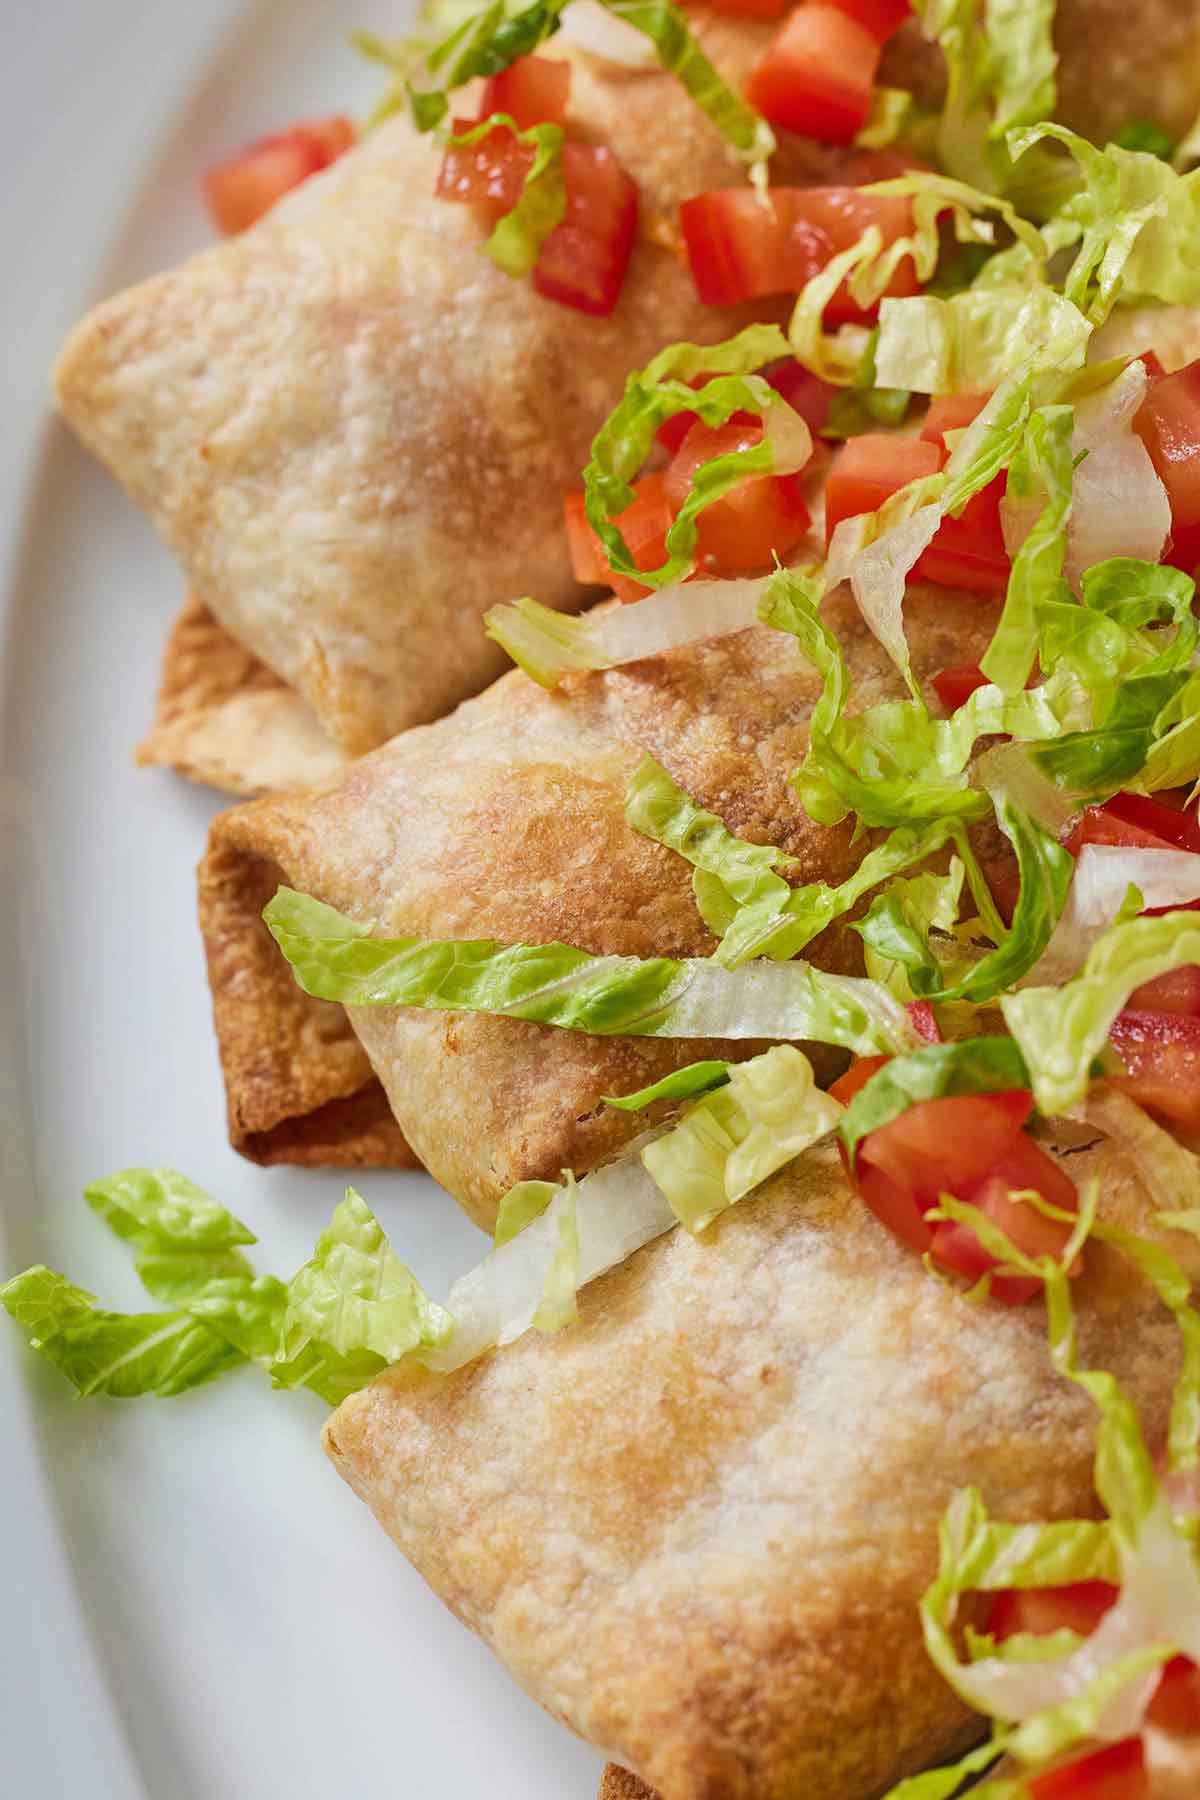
[(696, 1526), (506, 820), (356, 432)]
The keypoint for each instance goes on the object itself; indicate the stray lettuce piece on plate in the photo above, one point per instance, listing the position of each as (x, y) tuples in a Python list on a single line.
[(124, 1355)]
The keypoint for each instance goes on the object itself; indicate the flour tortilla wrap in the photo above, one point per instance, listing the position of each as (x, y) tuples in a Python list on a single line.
[(696, 1526), (506, 820)]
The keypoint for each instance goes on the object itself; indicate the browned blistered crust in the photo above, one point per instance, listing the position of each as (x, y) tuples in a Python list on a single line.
[(223, 718), (696, 1527), (507, 821), (298, 1086)]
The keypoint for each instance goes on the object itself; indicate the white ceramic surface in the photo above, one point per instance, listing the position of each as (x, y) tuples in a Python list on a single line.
[(192, 1606)]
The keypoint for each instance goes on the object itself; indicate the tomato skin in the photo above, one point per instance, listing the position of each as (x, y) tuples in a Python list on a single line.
[(241, 190), (1023, 1166), (1080, 1606), (882, 18), (955, 686), (894, 1206), (856, 1077), (817, 75), (740, 533), (950, 1144), (582, 263), (1097, 825), (740, 249), (1161, 1053), (1176, 1703), (968, 552), (644, 526), (487, 175), (869, 469), (533, 91), (1168, 423), (1117, 1772), (804, 392), (1173, 824), (951, 412), (1178, 991)]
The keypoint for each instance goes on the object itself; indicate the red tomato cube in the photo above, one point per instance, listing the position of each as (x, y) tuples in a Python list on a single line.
[(955, 686), (239, 192), (1078, 1607), (489, 174), (644, 526), (1168, 423), (533, 91), (741, 533), (1161, 1054), (1118, 1772), (817, 76), (869, 469), (882, 18), (583, 261)]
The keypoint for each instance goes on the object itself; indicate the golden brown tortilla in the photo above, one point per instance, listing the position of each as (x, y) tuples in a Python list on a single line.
[(224, 719), (507, 820), (697, 1525)]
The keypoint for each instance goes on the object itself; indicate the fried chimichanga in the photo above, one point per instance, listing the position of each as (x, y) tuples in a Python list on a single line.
[(697, 1525), (355, 431), (506, 820)]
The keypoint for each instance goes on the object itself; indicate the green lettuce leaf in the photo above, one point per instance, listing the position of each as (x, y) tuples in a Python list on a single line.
[(992, 1065), (1061, 1030), (684, 1084), (521, 1205), (744, 872), (658, 392), (516, 239), (124, 1355), (354, 1296), (558, 1306), (730, 1142), (968, 342), (1043, 465), (188, 1255), (1134, 223), (1045, 870), (333, 957)]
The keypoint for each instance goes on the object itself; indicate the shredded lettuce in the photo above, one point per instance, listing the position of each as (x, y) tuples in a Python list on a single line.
[(968, 342), (684, 1084), (1042, 466), (1100, 889), (516, 239), (733, 1139), (520, 1207), (658, 392), (743, 872), (1045, 871), (1060, 1030), (124, 1355), (898, 945), (1134, 223), (1000, 69), (335, 958), (549, 644)]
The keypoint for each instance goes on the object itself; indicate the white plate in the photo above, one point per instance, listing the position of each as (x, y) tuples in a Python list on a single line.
[(192, 1606)]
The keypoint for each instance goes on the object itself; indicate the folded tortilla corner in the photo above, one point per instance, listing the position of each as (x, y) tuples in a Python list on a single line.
[(298, 1084), (618, 1784), (224, 719)]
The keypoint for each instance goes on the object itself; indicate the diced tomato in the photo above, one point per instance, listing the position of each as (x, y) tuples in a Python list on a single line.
[(1118, 1772), (968, 552), (583, 261), (1161, 1053), (489, 174), (644, 526), (1153, 362), (1178, 991), (924, 1021), (1098, 825), (1176, 1703), (533, 91), (1173, 824), (894, 1206), (869, 469), (751, 9), (856, 1077), (949, 1144), (1168, 423), (951, 412), (955, 686), (1024, 1166), (804, 392), (241, 190), (741, 247), (1078, 1607), (882, 18), (817, 75), (740, 533)]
